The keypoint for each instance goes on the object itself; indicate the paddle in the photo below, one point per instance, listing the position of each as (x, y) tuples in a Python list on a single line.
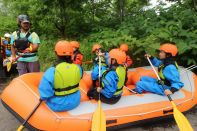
[(180, 119), (9, 63), (87, 62), (98, 120), (23, 124), (131, 90)]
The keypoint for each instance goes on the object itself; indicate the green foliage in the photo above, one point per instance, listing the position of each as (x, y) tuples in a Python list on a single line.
[(108, 22), (46, 53), (145, 31), (6, 24)]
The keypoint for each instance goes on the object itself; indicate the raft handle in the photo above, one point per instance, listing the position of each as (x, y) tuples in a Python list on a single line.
[(167, 111), (111, 121)]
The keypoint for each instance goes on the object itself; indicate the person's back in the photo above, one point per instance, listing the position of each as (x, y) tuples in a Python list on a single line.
[(113, 82), (60, 84)]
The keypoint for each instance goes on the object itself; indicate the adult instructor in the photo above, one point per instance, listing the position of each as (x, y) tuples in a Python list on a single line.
[(25, 43)]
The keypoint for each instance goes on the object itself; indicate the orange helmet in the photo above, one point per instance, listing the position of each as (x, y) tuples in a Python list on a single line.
[(95, 47), (169, 48), (119, 55), (124, 47), (63, 48), (75, 44)]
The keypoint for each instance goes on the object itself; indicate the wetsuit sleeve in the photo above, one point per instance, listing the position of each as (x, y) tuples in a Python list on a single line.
[(110, 84), (156, 62), (106, 57), (171, 74), (47, 84), (95, 72)]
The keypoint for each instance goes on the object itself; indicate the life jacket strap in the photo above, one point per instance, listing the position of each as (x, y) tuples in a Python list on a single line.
[(66, 88)]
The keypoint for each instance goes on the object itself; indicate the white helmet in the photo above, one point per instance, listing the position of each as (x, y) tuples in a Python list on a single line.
[(7, 35)]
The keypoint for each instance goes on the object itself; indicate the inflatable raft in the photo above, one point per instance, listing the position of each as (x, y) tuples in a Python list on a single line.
[(21, 96)]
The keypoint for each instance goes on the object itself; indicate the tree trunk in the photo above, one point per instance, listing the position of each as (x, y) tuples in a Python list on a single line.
[(194, 5), (92, 10), (61, 29), (62, 23), (121, 9)]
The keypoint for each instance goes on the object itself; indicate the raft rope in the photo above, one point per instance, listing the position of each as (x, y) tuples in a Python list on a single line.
[(111, 117), (190, 84), (188, 69), (108, 117)]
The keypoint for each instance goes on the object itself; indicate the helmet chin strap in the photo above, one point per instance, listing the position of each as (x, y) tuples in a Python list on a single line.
[(168, 55)]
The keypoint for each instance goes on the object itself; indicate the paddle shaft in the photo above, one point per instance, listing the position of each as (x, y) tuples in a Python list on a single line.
[(131, 90), (9, 64), (24, 52), (87, 62), (99, 74), (158, 76), (99, 120), (36, 107), (16, 59)]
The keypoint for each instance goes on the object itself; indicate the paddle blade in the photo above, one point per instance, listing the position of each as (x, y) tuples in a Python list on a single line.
[(20, 128), (98, 120), (9, 65), (181, 120)]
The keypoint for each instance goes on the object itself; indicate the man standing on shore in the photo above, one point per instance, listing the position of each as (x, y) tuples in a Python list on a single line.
[(25, 44)]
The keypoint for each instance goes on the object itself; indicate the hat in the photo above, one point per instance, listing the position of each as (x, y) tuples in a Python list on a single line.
[(24, 18), (7, 35), (25, 21)]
